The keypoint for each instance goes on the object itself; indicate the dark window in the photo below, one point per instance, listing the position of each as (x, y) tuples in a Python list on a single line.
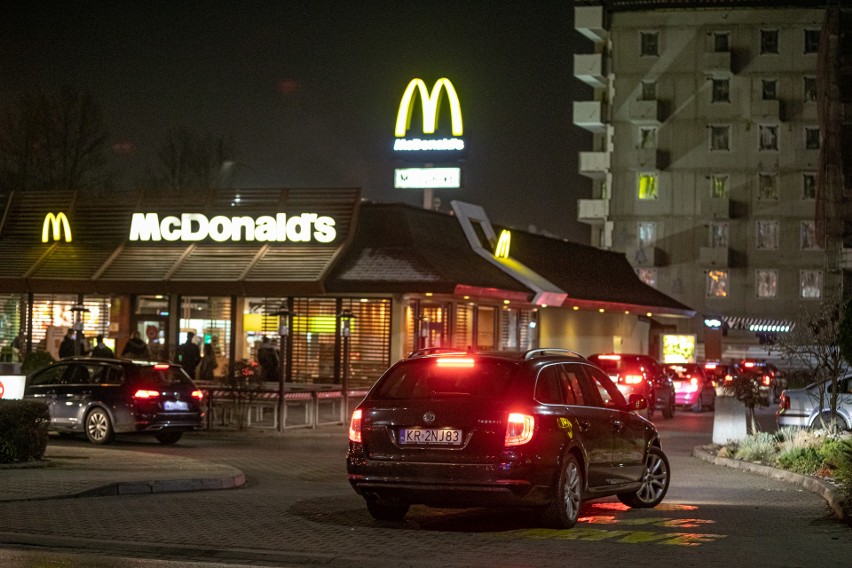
[(812, 138), (770, 90), (609, 394), (769, 41), (650, 43), (571, 374), (811, 41), (50, 376), (810, 89), (721, 42), (163, 377), (721, 91), (649, 90), (79, 375), (426, 379), (548, 387)]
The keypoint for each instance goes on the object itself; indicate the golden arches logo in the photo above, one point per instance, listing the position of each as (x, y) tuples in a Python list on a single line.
[(431, 102), (503, 244), (59, 225)]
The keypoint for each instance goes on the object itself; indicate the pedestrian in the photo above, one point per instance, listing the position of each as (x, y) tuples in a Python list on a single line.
[(66, 348), (208, 364), (100, 349), (267, 356), (189, 355), (135, 347), (19, 345)]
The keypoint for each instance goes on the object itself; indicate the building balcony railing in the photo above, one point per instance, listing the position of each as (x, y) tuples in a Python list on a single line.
[(589, 21), (647, 113), (714, 257), (589, 68), (590, 115), (594, 165), (717, 63), (592, 211), (646, 256), (767, 110)]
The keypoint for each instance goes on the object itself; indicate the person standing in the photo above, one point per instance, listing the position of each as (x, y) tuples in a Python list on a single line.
[(267, 356), (189, 355), (66, 348), (135, 347), (208, 364), (100, 349)]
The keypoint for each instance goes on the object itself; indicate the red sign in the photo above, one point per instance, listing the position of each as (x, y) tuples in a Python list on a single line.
[(2, 389)]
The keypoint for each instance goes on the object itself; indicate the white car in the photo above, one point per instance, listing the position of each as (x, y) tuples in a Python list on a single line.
[(803, 407)]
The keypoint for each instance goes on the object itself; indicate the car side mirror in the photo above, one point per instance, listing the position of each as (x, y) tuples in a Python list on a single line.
[(637, 402)]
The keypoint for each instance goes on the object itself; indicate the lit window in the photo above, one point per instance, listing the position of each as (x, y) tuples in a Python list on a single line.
[(648, 276), (649, 90), (647, 186), (809, 186), (719, 187), (810, 89), (767, 235), (767, 188), (810, 284), (770, 90), (811, 138), (768, 136), (648, 137), (647, 234), (721, 91), (811, 41), (717, 283), (718, 235), (720, 138), (769, 41), (807, 236), (766, 283), (649, 43), (721, 42)]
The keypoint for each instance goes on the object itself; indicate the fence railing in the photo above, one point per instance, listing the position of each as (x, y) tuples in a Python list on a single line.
[(304, 407)]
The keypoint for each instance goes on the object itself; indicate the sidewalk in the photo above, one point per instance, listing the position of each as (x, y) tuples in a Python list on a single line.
[(92, 471)]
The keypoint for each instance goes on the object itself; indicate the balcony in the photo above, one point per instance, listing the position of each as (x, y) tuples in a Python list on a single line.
[(589, 21), (646, 113), (717, 63), (594, 165), (589, 68), (589, 115), (717, 208), (766, 110), (714, 257), (592, 211), (648, 159), (645, 257)]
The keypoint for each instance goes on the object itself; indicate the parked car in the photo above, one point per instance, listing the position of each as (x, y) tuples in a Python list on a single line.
[(104, 397), (544, 429), (694, 387), (761, 372), (640, 374), (810, 406)]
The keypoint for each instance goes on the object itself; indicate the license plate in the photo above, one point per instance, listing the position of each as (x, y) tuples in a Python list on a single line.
[(175, 405), (443, 436)]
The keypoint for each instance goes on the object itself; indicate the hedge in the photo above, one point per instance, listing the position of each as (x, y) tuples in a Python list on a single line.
[(23, 430)]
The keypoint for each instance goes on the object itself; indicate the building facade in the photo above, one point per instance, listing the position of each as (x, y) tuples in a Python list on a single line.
[(706, 163)]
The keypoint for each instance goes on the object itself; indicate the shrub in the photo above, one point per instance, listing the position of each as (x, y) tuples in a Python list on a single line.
[(757, 448), (36, 360), (23, 430), (800, 460)]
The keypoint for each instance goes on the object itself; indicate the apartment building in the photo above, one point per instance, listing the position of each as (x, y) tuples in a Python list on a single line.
[(706, 162)]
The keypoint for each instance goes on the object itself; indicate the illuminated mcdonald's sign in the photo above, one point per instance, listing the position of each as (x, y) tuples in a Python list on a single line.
[(503, 244), (431, 103), (58, 225)]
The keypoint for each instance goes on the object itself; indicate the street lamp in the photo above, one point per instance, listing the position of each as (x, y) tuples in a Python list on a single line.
[(346, 316), (284, 322), (78, 310)]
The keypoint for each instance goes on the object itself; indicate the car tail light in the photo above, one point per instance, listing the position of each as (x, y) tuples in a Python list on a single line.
[(519, 429), (142, 393), (766, 380), (748, 364), (198, 394), (710, 366), (694, 381), (161, 367), (355, 427), (633, 379), (785, 402), (728, 378), (610, 357), (465, 362)]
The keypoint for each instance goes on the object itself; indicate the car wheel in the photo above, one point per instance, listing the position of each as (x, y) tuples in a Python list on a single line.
[(386, 510), (98, 427), (168, 436), (655, 482), (836, 423), (699, 404), (563, 511)]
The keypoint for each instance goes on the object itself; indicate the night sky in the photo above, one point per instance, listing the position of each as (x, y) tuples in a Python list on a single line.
[(308, 90)]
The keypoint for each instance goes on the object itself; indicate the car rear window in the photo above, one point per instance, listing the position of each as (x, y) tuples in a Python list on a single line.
[(165, 377), (426, 379)]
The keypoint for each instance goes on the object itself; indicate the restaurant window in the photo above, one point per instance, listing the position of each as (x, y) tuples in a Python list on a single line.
[(767, 235), (647, 186), (649, 43), (769, 42), (648, 276), (809, 186), (463, 329), (515, 330), (807, 236), (768, 137), (810, 89), (719, 187), (209, 319), (812, 41), (767, 187), (486, 328), (766, 283), (648, 137), (716, 283), (649, 90), (720, 138), (721, 42), (769, 90), (810, 284), (721, 91), (369, 340), (812, 141), (13, 306), (718, 235), (53, 314)]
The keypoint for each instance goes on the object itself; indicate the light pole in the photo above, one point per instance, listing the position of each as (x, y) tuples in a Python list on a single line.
[(284, 320), (78, 310), (346, 316)]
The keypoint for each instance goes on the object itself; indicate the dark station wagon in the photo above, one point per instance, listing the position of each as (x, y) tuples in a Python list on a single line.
[(103, 397), (544, 429)]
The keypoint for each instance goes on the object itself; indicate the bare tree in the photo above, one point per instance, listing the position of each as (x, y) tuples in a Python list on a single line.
[(53, 140), (189, 161)]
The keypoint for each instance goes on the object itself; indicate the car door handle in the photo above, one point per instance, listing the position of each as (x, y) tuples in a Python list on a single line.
[(584, 426)]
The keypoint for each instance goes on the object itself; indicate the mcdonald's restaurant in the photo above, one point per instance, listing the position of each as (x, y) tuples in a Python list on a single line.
[(338, 284)]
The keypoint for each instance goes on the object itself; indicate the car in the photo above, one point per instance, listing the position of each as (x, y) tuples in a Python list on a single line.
[(764, 374), (542, 429), (102, 397), (694, 387), (640, 374), (810, 407)]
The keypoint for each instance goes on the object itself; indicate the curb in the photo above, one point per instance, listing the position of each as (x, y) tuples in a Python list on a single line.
[(826, 490), (164, 486)]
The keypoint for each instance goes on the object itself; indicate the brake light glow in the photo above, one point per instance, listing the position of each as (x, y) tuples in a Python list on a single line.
[(610, 357), (766, 380), (710, 366), (748, 364), (142, 393), (633, 379), (198, 394), (355, 427), (464, 362), (519, 429), (728, 378), (785, 402), (161, 367), (694, 381)]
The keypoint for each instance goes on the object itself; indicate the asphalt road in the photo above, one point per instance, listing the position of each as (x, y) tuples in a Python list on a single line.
[(298, 510)]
